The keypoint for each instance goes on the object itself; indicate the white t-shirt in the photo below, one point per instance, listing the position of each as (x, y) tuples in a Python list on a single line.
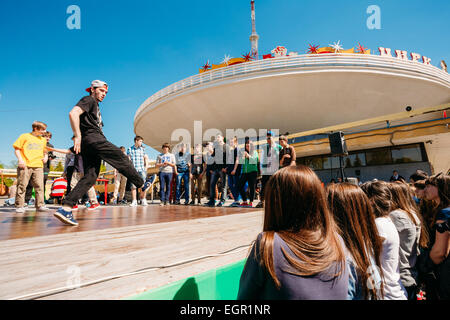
[(393, 288), (168, 157)]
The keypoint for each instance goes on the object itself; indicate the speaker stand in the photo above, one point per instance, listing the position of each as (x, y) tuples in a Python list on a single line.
[(341, 167)]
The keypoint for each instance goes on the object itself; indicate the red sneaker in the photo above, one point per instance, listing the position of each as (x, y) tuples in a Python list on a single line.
[(94, 206), (75, 207)]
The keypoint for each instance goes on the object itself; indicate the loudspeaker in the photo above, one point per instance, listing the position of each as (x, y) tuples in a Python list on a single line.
[(337, 143)]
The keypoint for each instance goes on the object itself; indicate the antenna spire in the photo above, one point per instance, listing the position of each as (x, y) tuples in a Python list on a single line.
[(254, 37)]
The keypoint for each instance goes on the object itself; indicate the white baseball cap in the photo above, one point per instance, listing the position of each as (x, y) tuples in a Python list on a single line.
[(97, 84)]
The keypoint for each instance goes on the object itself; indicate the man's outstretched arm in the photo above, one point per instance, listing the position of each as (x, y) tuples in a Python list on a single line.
[(74, 117)]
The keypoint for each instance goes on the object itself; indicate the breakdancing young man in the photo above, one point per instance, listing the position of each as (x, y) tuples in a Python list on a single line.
[(86, 122)]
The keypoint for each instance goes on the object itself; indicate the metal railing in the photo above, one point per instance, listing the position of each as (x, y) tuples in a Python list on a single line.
[(306, 62)]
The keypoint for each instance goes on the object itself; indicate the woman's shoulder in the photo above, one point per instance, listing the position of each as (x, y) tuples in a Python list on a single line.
[(384, 223), (400, 215), (277, 240)]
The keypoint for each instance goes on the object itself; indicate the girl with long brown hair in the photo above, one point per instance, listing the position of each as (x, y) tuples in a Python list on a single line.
[(299, 255), (356, 221), (438, 190), (381, 200), (409, 224)]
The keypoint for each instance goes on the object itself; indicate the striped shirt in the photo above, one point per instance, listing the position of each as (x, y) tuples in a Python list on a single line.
[(59, 187), (137, 157)]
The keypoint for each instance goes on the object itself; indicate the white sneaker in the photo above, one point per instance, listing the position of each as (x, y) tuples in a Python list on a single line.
[(134, 203), (20, 210), (43, 209), (144, 202)]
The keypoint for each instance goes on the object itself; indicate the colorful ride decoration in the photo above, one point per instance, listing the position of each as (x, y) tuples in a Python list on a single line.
[(280, 51)]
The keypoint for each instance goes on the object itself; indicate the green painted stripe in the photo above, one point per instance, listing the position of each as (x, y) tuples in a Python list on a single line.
[(216, 284)]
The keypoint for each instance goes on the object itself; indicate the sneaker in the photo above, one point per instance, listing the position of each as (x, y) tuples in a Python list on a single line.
[(192, 203), (75, 207), (210, 204), (250, 204), (144, 202), (244, 204), (186, 203), (148, 182), (235, 204), (20, 210), (177, 202), (259, 205), (221, 203), (134, 203), (42, 209), (65, 217), (94, 206), (161, 204)]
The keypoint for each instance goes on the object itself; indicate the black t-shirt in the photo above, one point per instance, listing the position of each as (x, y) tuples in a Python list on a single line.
[(220, 152), (197, 162), (230, 166), (91, 118)]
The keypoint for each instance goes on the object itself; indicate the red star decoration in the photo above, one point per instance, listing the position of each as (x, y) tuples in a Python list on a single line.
[(361, 49), (206, 66), (313, 49), (247, 57)]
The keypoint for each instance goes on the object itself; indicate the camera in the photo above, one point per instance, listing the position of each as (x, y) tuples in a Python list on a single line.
[(442, 227)]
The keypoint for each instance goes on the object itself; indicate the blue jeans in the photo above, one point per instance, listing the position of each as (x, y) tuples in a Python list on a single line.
[(216, 174), (165, 178), (250, 179), (232, 183), (185, 177)]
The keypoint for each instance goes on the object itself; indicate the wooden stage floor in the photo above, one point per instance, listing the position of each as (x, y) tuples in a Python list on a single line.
[(32, 223), (39, 254)]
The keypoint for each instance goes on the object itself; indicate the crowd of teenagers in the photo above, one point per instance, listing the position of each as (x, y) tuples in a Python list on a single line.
[(226, 170), (378, 241), (222, 170)]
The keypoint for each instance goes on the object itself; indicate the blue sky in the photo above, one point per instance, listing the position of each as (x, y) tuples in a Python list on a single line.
[(139, 47)]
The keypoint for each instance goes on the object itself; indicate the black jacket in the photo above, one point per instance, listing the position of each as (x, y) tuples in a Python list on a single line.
[(220, 153)]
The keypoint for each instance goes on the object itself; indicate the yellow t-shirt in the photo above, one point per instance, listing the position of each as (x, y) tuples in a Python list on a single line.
[(31, 149)]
